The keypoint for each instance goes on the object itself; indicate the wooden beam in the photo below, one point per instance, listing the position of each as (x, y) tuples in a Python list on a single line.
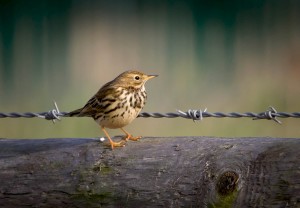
[(153, 172)]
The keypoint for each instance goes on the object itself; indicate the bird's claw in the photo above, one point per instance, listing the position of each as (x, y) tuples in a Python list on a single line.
[(130, 137), (116, 144)]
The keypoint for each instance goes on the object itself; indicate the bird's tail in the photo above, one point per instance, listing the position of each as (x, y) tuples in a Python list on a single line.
[(75, 113)]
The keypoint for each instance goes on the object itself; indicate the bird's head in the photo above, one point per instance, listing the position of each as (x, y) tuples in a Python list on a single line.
[(134, 79)]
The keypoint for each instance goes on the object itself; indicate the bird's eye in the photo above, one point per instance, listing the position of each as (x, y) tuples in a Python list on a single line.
[(137, 77)]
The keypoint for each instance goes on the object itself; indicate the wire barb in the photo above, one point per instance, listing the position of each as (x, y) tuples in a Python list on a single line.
[(269, 114), (52, 114), (196, 115)]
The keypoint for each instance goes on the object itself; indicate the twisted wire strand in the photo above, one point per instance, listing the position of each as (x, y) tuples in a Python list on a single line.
[(255, 116), (195, 115), (270, 114)]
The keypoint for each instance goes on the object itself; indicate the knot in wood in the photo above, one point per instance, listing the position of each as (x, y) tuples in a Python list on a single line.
[(227, 183)]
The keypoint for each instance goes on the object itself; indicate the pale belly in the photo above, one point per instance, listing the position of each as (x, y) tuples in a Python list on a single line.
[(119, 119)]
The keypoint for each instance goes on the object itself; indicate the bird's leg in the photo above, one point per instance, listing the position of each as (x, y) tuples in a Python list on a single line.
[(129, 136), (112, 143)]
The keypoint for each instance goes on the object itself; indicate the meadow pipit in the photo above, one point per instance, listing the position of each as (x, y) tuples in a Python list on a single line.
[(117, 103)]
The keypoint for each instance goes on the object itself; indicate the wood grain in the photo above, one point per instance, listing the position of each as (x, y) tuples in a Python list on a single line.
[(153, 172)]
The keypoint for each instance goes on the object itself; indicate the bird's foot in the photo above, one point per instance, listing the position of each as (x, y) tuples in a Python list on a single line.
[(130, 137), (116, 144)]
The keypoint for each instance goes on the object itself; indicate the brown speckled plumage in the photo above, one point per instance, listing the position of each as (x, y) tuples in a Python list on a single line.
[(117, 103)]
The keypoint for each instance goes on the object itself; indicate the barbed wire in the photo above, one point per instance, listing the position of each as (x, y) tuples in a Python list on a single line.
[(195, 115)]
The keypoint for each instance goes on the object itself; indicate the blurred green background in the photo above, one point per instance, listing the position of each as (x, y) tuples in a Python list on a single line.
[(224, 55)]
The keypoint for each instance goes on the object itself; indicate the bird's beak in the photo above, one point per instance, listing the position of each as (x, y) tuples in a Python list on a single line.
[(151, 76)]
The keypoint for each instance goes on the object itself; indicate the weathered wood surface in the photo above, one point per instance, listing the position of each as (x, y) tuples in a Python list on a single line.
[(153, 172)]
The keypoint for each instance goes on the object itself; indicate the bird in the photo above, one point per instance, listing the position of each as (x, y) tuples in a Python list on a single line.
[(117, 103)]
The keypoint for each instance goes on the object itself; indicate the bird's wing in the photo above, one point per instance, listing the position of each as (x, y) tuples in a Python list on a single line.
[(98, 102)]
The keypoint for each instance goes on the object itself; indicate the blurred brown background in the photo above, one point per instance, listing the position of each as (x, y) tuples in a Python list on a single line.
[(224, 55)]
